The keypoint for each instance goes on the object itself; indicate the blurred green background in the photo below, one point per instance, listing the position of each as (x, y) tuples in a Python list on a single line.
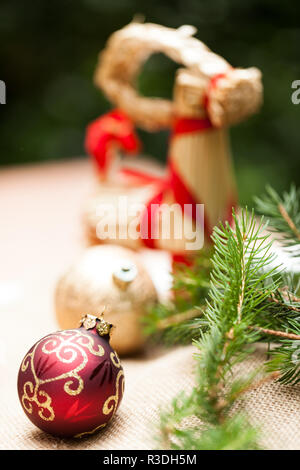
[(48, 52)]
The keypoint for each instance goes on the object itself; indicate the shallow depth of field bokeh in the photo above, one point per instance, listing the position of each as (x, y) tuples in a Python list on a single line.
[(48, 52)]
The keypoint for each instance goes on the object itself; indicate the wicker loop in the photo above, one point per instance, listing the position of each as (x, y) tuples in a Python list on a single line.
[(238, 96)]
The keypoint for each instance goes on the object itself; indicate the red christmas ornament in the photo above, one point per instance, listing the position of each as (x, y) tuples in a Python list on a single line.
[(71, 382)]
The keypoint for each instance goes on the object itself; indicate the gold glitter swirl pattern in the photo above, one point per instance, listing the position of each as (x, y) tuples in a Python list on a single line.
[(44, 406), (115, 359), (86, 433), (114, 398), (24, 365), (66, 350)]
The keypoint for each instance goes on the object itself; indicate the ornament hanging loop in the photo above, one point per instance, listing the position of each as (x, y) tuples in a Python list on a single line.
[(89, 322)]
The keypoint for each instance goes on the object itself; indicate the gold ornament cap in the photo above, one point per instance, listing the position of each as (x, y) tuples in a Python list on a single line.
[(89, 322), (125, 274)]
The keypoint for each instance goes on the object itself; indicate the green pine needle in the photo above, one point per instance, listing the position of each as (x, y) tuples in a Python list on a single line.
[(238, 289), (223, 304), (283, 214)]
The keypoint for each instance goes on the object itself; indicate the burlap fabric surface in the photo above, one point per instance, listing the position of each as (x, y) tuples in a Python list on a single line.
[(40, 235)]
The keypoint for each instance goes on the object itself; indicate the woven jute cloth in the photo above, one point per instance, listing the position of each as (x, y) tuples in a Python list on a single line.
[(40, 235)]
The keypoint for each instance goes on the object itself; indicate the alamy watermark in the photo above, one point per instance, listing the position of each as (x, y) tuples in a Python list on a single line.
[(296, 94), (128, 220), (2, 92)]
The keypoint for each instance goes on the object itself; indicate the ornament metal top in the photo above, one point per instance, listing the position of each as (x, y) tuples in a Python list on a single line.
[(90, 321)]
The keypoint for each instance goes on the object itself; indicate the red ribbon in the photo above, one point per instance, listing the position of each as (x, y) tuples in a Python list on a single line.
[(111, 131), (116, 129), (173, 182)]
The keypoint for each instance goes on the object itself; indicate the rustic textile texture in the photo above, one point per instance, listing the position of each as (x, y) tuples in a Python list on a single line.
[(40, 235)]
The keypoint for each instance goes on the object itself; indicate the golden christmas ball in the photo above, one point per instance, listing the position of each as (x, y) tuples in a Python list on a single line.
[(110, 277)]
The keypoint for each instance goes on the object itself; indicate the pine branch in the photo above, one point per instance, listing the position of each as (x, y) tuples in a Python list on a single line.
[(278, 334), (180, 321), (240, 267), (285, 359), (283, 214), (178, 318), (248, 301), (281, 308)]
